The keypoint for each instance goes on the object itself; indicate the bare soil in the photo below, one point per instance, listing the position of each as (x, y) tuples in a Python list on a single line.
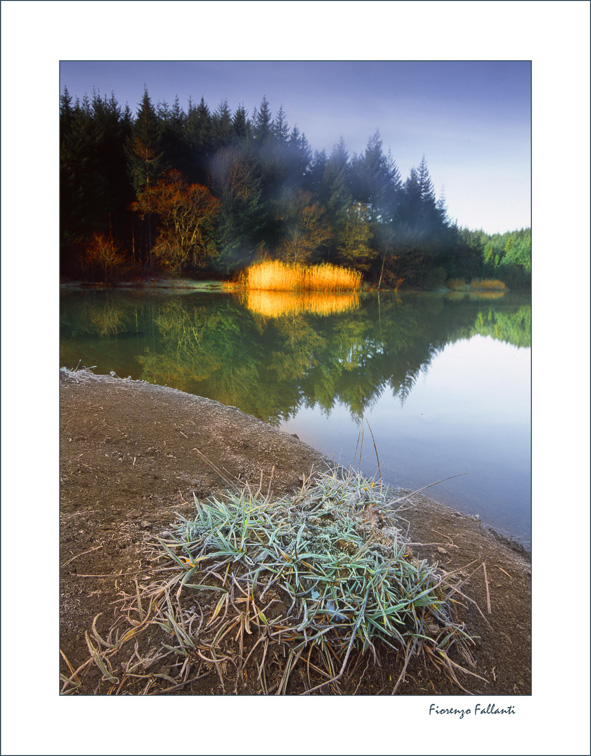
[(133, 456)]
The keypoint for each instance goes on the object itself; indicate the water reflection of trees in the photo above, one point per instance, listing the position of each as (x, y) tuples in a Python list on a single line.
[(270, 367)]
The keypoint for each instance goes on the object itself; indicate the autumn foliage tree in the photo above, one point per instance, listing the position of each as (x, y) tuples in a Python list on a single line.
[(186, 214), (103, 254)]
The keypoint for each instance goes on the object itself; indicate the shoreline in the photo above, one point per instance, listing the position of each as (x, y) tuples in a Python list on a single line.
[(132, 457), (182, 285)]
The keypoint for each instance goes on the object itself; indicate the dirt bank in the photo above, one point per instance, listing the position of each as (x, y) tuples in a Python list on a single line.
[(133, 455)]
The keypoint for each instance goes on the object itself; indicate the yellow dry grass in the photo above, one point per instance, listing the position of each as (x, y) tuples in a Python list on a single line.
[(476, 284), (274, 275)]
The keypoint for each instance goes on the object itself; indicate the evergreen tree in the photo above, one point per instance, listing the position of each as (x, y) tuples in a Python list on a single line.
[(240, 124), (198, 139), (376, 181), (222, 127), (262, 129), (235, 180), (145, 153), (94, 191), (146, 164), (280, 127), (315, 177), (300, 156), (336, 181), (172, 135)]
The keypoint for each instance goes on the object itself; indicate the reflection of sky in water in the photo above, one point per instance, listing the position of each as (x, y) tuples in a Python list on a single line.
[(469, 412), (466, 409)]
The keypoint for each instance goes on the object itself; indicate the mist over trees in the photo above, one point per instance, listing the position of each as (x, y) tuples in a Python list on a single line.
[(207, 192)]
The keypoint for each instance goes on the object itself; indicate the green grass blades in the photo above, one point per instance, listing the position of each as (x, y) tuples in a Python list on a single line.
[(317, 574)]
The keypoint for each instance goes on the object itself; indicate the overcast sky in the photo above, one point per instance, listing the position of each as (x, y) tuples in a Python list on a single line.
[(471, 120)]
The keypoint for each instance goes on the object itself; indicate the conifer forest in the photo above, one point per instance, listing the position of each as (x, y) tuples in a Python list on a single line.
[(205, 193)]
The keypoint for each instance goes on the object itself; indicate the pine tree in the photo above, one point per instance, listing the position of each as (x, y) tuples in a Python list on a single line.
[(240, 124), (336, 180), (262, 129), (315, 175), (146, 163), (145, 154), (172, 135), (222, 127), (235, 181), (199, 139), (280, 127)]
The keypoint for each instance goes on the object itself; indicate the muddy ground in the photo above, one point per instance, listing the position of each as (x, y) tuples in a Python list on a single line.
[(134, 455)]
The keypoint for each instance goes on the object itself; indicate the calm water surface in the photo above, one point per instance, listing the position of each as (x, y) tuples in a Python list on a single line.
[(441, 381)]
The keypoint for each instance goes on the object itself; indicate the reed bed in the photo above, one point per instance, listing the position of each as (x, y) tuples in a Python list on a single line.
[(476, 284), (254, 589), (275, 304), (274, 275)]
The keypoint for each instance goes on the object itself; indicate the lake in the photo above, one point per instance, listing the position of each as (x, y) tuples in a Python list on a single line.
[(433, 385)]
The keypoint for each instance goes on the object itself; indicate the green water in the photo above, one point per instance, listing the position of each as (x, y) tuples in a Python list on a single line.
[(442, 382)]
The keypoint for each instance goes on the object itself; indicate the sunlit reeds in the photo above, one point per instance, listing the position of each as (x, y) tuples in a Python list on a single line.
[(476, 284), (274, 275), (274, 304)]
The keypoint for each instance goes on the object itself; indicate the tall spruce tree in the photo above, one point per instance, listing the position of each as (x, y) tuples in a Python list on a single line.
[(146, 164), (145, 151)]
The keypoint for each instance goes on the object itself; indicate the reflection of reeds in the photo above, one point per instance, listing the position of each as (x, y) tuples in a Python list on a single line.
[(274, 304), (489, 284), (476, 295), (455, 296), (108, 320), (278, 276)]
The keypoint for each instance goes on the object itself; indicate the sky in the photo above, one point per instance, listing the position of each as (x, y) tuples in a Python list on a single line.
[(470, 119)]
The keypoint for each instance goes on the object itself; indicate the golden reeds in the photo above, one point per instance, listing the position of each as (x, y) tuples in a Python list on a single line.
[(274, 275), (476, 284)]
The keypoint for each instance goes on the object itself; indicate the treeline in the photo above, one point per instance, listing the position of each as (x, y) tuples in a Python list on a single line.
[(202, 192), (505, 256)]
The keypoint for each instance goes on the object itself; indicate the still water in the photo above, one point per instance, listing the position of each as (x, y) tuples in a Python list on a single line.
[(438, 385)]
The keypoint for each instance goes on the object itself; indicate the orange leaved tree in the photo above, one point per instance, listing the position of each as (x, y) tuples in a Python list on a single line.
[(103, 253), (186, 214)]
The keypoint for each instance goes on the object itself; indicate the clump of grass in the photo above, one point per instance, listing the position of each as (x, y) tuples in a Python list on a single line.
[(274, 275), (259, 588), (476, 285)]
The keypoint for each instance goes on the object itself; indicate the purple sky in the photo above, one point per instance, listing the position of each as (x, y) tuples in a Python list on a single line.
[(471, 120)]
